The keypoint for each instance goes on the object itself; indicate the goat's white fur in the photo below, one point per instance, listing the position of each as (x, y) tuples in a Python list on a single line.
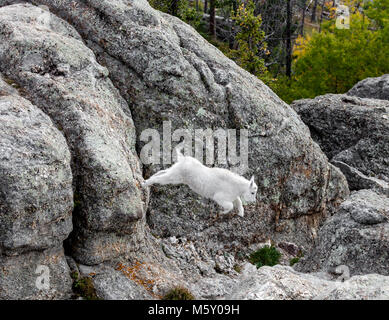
[(220, 185)]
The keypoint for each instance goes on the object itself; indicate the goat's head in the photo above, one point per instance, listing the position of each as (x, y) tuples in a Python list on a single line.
[(251, 192)]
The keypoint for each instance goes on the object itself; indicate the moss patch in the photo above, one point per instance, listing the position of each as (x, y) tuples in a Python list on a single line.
[(84, 287), (178, 293), (11, 82), (237, 268)]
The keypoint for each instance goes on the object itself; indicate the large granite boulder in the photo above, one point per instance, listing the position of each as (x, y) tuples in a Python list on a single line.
[(36, 200), (47, 58), (376, 88), (356, 236), (283, 283), (354, 133), (167, 72)]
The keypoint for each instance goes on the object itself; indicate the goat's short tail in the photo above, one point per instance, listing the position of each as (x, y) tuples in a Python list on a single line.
[(179, 154)]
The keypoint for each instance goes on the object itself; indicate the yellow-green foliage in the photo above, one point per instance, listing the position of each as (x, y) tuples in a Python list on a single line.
[(161, 5), (335, 59), (378, 11), (186, 10), (178, 293), (250, 39)]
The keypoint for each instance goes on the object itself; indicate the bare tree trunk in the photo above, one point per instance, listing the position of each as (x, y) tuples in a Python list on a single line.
[(313, 16), (234, 6), (231, 40), (321, 15), (205, 6), (303, 18), (174, 8), (288, 39), (212, 19)]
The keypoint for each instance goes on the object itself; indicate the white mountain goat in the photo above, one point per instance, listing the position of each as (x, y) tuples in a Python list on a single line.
[(220, 185)]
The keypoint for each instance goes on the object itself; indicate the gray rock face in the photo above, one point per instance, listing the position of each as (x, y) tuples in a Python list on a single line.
[(166, 71), (114, 285), (182, 263), (36, 200), (376, 88), (7, 89), (158, 267), (353, 131), (277, 283), (356, 236), (283, 283), (23, 277), (357, 180), (34, 158), (364, 287), (61, 76)]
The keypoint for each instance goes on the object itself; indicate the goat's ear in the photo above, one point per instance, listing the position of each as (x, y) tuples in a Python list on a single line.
[(252, 181)]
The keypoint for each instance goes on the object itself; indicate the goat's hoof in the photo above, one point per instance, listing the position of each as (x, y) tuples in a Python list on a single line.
[(215, 218), (144, 184)]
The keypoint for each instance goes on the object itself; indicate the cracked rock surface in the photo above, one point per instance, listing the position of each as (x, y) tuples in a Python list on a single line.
[(376, 88), (60, 75), (284, 283), (356, 236), (354, 133), (36, 199)]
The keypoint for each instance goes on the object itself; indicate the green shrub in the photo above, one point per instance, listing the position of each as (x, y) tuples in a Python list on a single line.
[(74, 275), (83, 287), (186, 11), (267, 256), (294, 261), (178, 293), (251, 41), (191, 16)]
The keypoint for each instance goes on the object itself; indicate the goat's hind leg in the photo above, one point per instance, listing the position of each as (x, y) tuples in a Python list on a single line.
[(150, 181), (162, 177)]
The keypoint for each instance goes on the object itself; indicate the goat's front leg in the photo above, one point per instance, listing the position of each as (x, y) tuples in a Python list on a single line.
[(239, 205), (227, 205)]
